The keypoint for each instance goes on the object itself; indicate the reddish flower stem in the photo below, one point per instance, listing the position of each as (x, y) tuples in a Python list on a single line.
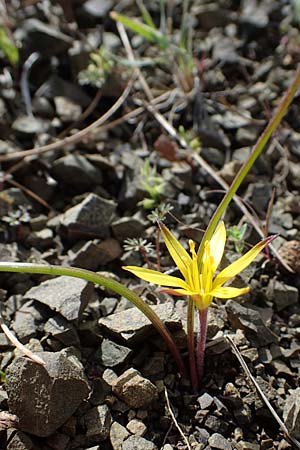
[(191, 344), (201, 341)]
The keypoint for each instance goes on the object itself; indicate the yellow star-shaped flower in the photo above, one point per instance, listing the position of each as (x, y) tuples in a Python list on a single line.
[(201, 283)]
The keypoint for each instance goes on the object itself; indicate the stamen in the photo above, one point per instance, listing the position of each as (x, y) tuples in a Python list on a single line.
[(192, 248)]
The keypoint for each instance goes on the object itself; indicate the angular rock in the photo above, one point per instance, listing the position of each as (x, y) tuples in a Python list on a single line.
[(216, 440), (75, 170), (291, 413), (135, 390), (98, 9), (66, 295), (251, 322), (20, 441), (92, 254), (134, 327), (113, 354), (28, 320), (137, 427), (127, 227), (44, 397), (61, 329), (282, 295), (138, 443), (27, 126), (117, 435), (205, 401), (98, 421), (90, 218), (66, 109)]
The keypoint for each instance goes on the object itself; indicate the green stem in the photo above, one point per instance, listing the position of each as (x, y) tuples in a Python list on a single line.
[(258, 148), (191, 344), (201, 341), (106, 282)]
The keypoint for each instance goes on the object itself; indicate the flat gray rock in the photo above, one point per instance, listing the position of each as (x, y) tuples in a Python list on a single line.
[(216, 440), (138, 443), (117, 435), (62, 330), (282, 294), (133, 326), (44, 397), (76, 170), (90, 218), (28, 319), (251, 321), (20, 441), (67, 295), (113, 354)]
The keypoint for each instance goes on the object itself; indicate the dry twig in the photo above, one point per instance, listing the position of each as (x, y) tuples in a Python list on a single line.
[(18, 344), (175, 421)]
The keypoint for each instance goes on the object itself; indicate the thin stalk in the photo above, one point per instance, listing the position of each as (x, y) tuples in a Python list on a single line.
[(106, 282), (191, 344), (201, 341), (258, 148)]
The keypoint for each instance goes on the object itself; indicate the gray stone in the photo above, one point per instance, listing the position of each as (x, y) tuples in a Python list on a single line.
[(67, 295), (218, 441), (90, 218), (205, 401), (215, 321), (66, 109), (20, 441), (251, 321), (282, 295), (133, 326), (44, 397), (291, 413), (27, 320), (76, 170), (92, 254), (138, 443), (113, 354), (106, 306), (61, 329), (216, 424), (127, 227), (98, 421), (117, 435), (135, 390), (98, 9), (28, 125)]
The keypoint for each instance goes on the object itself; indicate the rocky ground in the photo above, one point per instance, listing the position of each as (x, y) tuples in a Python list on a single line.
[(85, 201)]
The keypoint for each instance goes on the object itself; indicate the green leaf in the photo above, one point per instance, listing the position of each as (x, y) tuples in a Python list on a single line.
[(8, 48), (146, 15), (108, 283), (146, 31)]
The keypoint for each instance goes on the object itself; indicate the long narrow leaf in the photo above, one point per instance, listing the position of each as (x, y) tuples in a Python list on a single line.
[(108, 283), (149, 33)]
